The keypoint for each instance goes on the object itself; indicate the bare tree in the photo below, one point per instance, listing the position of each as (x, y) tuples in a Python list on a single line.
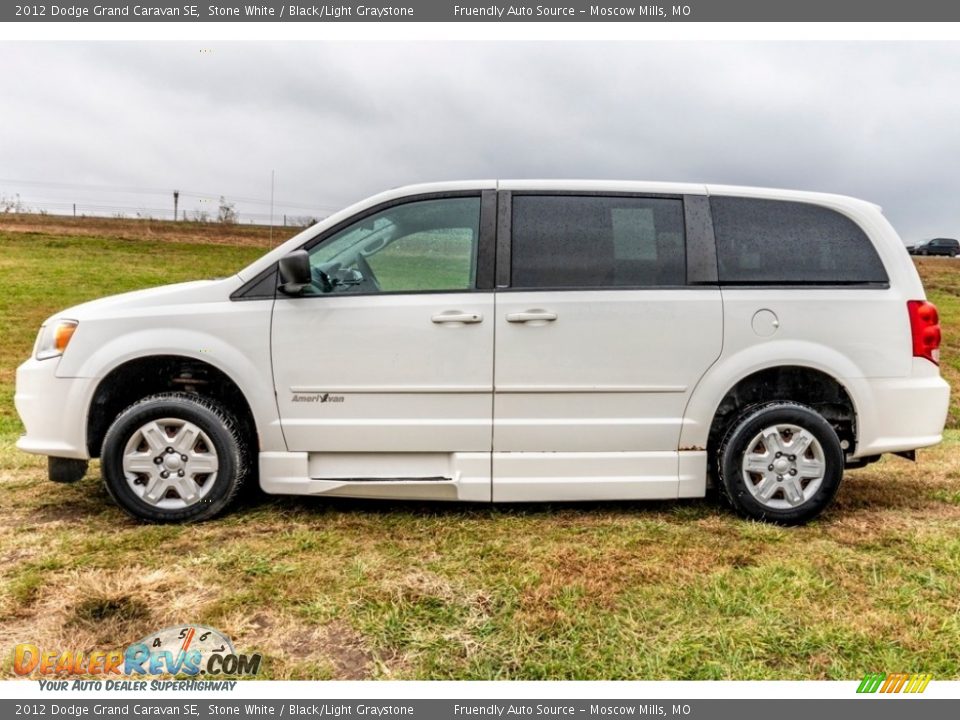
[(11, 204), (226, 213)]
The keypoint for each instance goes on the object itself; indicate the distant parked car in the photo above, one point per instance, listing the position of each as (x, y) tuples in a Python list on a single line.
[(937, 246)]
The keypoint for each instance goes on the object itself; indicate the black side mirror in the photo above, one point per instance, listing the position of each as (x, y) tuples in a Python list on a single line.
[(294, 272)]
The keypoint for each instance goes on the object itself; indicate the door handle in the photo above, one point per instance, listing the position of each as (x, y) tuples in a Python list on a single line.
[(531, 316), (452, 316)]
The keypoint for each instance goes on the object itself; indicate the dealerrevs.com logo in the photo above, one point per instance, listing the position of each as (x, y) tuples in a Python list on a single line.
[(191, 650)]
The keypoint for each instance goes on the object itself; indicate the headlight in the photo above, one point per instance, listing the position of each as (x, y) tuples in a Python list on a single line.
[(54, 338)]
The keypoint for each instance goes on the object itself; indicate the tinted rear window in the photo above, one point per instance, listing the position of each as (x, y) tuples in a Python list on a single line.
[(773, 242), (563, 241)]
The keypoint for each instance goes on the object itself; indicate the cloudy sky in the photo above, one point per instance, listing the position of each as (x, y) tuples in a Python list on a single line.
[(119, 125)]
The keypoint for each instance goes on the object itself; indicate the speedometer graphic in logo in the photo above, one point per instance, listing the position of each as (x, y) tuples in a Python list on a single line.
[(188, 650), (188, 638)]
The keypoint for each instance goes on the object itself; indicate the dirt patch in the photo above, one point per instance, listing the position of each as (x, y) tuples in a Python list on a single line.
[(100, 609), (61, 512), (346, 648), (288, 642)]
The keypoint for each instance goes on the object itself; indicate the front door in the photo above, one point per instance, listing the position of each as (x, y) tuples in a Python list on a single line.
[(599, 344), (384, 367)]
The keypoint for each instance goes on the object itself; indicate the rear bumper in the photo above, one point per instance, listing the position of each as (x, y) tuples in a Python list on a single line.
[(897, 414), (53, 410)]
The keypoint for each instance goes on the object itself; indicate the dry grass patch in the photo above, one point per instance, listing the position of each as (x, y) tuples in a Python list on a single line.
[(149, 230), (354, 589), (298, 649), (340, 589), (97, 609)]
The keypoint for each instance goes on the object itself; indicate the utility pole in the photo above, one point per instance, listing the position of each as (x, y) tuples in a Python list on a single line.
[(176, 201), (272, 175)]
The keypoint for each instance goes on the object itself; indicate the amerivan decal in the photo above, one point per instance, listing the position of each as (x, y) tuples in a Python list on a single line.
[(316, 397)]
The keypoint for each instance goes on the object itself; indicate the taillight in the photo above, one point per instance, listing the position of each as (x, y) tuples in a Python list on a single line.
[(925, 329)]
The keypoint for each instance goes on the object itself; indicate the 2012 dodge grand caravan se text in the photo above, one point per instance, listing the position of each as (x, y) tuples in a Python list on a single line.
[(509, 341)]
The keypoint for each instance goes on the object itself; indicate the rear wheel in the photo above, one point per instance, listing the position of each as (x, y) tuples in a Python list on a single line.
[(781, 462), (174, 457)]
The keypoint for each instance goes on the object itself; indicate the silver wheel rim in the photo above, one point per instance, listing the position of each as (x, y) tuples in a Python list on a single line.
[(783, 466), (170, 463)]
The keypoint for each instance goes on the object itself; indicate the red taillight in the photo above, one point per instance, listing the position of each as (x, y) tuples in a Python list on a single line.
[(925, 329)]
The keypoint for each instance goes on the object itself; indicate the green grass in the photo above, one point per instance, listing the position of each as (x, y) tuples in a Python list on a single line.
[(42, 274), (400, 266), (342, 589), (942, 281)]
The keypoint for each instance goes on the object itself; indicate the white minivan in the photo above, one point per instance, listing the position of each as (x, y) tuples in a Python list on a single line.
[(509, 341)]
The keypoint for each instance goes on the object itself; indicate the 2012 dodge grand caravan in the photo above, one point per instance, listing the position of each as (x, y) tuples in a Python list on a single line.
[(509, 341)]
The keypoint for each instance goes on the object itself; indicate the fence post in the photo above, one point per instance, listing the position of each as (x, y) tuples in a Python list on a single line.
[(74, 209)]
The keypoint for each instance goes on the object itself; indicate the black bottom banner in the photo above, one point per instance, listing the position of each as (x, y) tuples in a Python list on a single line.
[(873, 707)]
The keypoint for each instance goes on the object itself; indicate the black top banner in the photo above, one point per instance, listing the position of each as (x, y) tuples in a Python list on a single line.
[(473, 11)]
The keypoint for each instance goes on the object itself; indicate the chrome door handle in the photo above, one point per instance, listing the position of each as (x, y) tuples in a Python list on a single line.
[(531, 316), (457, 317)]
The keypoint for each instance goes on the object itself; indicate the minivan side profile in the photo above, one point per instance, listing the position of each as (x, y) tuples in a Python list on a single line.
[(509, 341)]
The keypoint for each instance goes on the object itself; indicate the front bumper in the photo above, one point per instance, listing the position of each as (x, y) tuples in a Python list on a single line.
[(53, 410)]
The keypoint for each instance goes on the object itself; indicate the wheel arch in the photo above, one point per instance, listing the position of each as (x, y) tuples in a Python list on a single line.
[(751, 364), (132, 378)]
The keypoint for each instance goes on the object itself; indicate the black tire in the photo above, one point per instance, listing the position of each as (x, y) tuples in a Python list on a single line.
[(735, 445), (219, 425)]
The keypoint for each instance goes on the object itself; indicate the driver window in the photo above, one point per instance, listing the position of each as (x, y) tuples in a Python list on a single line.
[(428, 245)]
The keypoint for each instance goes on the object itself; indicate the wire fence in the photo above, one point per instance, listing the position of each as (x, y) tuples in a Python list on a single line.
[(141, 212), (92, 210), (23, 197)]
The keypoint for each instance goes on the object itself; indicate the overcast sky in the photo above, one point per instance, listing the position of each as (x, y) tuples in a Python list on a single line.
[(338, 122)]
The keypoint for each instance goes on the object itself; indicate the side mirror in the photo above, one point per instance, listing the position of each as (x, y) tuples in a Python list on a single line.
[(294, 272)]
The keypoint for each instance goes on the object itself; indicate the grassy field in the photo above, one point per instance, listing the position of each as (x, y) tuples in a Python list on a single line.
[(340, 589)]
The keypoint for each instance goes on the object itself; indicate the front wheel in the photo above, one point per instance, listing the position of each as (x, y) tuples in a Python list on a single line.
[(781, 462), (174, 457)]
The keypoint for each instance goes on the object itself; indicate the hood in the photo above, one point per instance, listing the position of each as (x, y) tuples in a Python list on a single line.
[(194, 292)]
